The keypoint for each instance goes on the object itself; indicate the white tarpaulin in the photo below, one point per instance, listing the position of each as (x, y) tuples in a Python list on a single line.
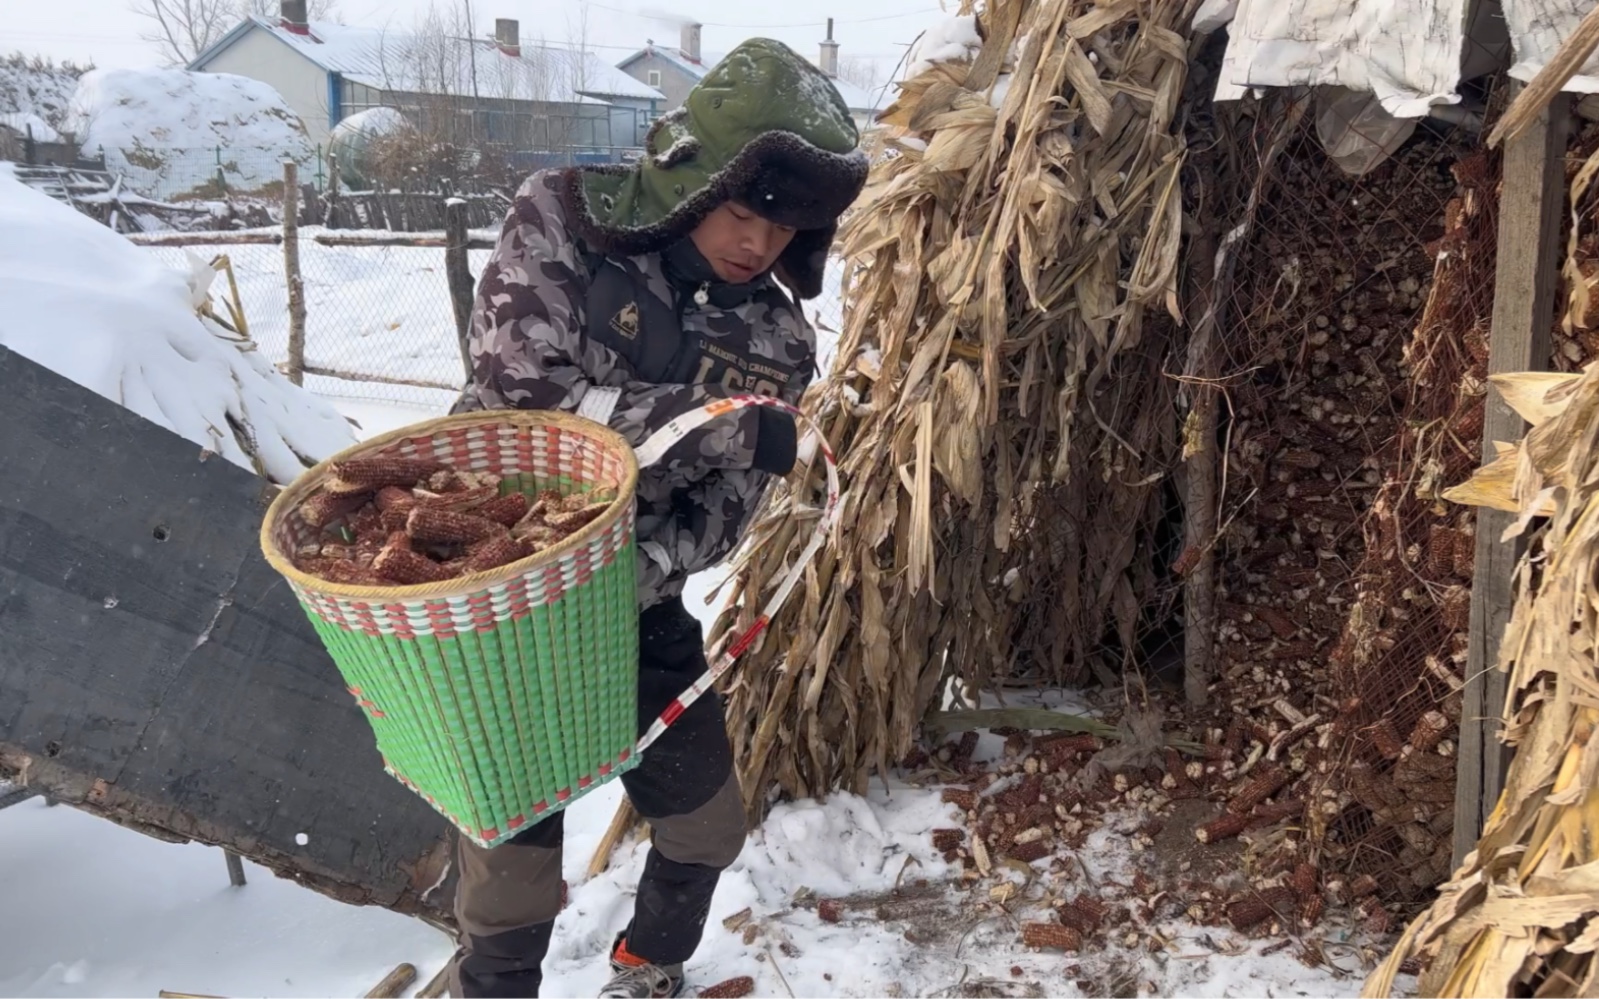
[(1537, 27), (1408, 53)]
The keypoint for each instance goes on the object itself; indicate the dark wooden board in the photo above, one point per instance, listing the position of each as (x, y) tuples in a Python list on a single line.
[(1527, 276), (155, 670)]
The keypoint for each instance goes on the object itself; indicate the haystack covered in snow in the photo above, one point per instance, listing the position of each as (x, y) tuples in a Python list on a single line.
[(84, 302), (170, 132)]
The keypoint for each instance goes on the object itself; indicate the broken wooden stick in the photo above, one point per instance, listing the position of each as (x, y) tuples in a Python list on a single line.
[(439, 983), (394, 983)]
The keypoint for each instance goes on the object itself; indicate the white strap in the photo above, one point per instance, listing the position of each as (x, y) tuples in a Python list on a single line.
[(599, 403)]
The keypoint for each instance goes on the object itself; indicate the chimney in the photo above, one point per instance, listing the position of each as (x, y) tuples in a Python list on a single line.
[(508, 36), (292, 13), (830, 53), (690, 44)]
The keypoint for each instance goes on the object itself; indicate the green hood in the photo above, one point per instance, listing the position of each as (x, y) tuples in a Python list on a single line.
[(764, 127)]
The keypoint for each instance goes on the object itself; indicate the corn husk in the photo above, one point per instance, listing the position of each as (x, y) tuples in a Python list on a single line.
[(997, 402), (1521, 916)]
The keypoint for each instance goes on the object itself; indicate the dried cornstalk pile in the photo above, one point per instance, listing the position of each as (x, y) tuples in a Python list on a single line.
[(1521, 916), (997, 399), (1576, 332)]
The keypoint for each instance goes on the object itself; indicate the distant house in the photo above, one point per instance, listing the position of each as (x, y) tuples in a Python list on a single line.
[(675, 70), (469, 91)]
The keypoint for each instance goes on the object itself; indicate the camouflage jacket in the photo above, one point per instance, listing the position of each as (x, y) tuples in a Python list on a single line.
[(553, 320)]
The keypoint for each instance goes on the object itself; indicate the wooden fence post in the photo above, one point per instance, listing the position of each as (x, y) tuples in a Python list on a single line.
[(331, 217), (291, 271), (458, 273), (1525, 282)]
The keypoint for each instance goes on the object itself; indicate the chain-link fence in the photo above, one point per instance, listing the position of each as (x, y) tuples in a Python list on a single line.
[(379, 323), (211, 173)]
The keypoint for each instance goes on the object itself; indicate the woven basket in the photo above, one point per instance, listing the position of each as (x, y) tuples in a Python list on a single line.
[(504, 696)]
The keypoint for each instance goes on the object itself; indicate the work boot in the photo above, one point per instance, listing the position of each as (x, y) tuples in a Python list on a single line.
[(635, 978)]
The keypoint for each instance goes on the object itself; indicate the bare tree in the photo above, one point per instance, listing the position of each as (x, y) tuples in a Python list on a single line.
[(863, 72), (182, 29)]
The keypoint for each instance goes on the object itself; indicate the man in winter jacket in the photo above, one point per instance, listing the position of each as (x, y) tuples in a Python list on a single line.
[(633, 295)]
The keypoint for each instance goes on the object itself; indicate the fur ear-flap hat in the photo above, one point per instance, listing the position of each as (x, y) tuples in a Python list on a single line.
[(765, 128)]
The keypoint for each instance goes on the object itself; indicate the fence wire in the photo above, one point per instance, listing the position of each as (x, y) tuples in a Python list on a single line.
[(379, 317)]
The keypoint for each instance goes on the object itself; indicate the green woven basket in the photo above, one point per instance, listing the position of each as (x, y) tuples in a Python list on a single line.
[(504, 696)]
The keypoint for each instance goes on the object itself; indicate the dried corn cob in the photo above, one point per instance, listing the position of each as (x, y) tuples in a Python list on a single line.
[(461, 501), (945, 840), (1386, 739), (733, 988), (369, 474), (1051, 936), (1305, 880), (830, 910), (348, 573), (963, 798), (1028, 852), (446, 526), (1310, 913), (495, 552), (508, 509), (571, 520), (1259, 906), (1429, 731), (407, 568), (394, 498), (1222, 827), (324, 508), (1083, 914), (1257, 789)]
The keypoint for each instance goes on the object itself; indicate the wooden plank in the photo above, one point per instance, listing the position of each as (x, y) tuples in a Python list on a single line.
[(205, 238), (155, 670), (235, 869), (430, 239), (1531, 206), (357, 376)]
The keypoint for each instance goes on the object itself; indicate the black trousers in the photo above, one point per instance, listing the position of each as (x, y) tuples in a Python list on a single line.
[(508, 897)]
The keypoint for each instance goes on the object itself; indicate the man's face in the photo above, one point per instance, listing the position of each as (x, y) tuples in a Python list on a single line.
[(739, 244)]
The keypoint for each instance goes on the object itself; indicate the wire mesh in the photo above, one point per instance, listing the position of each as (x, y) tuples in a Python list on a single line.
[(1353, 401), (380, 325)]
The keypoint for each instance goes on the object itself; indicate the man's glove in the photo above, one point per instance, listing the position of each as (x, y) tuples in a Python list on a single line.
[(776, 441)]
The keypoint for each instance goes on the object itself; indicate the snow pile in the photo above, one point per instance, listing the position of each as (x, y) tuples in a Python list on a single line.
[(85, 303), (169, 131), (35, 90), (28, 123), (953, 39)]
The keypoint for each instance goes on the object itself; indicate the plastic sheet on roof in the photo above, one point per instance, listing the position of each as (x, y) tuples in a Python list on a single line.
[(1406, 52)]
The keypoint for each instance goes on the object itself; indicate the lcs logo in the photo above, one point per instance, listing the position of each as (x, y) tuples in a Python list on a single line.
[(625, 322)]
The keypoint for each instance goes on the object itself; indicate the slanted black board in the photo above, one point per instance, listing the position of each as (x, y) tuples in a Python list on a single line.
[(155, 670)]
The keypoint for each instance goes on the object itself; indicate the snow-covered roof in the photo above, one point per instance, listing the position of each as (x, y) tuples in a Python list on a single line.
[(858, 99), (402, 61)]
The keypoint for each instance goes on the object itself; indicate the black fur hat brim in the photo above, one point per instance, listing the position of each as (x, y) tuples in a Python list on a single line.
[(778, 174)]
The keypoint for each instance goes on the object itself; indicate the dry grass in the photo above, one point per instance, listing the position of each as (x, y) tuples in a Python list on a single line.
[(998, 400)]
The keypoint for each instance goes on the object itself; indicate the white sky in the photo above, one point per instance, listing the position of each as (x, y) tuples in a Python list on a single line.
[(108, 32)]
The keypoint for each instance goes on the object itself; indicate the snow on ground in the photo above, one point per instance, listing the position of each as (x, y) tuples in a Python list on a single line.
[(162, 129), (84, 302), (91, 909), (31, 86)]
